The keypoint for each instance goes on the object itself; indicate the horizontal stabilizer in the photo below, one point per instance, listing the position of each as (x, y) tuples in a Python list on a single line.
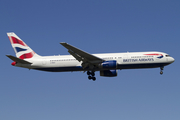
[(18, 60)]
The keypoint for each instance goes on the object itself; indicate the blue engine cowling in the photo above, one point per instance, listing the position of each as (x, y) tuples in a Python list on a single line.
[(108, 73), (109, 64)]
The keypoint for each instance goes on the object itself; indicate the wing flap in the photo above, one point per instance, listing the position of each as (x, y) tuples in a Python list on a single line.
[(18, 60)]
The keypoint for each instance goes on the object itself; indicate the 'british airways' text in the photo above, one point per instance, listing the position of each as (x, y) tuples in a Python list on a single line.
[(138, 60)]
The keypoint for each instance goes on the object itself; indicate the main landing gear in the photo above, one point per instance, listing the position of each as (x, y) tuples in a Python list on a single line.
[(91, 75), (162, 68)]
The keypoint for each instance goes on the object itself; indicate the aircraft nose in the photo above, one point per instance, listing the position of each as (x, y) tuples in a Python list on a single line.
[(172, 60)]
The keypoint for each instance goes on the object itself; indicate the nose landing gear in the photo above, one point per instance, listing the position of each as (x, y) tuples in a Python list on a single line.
[(162, 68), (91, 75)]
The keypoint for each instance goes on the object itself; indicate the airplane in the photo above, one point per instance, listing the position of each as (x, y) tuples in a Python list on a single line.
[(107, 63)]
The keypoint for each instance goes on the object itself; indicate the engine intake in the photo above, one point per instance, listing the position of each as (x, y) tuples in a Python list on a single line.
[(109, 64)]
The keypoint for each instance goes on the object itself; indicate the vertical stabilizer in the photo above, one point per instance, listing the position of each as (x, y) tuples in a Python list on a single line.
[(22, 50)]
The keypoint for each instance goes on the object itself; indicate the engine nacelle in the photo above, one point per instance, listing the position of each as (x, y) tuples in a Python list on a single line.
[(109, 64), (108, 73)]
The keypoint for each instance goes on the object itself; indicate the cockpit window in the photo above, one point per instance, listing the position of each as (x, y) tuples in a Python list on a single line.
[(167, 55)]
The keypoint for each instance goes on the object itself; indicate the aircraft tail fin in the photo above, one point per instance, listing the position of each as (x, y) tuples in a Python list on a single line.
[(22, 50)]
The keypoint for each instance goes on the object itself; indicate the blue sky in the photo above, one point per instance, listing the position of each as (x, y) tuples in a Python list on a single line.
[(96, 26)]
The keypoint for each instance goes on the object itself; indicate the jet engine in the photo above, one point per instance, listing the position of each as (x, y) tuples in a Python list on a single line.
[(109, 64)]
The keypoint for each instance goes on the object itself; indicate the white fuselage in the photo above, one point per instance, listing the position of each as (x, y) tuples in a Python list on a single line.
[(129, 60)]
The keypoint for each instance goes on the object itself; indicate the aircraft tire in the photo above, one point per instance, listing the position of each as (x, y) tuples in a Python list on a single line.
[(93, 74), (94, 78), (89, 77)]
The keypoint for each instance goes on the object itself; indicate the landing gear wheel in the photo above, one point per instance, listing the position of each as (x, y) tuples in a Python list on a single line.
[(90, 73), (93, 78), (162, 68), (93, 74), (89, 77)]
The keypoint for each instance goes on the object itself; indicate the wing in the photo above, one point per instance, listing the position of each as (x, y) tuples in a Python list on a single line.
[(86, 58)]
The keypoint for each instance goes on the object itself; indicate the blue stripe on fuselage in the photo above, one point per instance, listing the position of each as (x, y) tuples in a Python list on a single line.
[(160, 56)]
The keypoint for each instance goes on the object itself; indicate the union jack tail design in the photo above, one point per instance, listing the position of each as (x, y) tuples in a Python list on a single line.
[(22, 50)]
